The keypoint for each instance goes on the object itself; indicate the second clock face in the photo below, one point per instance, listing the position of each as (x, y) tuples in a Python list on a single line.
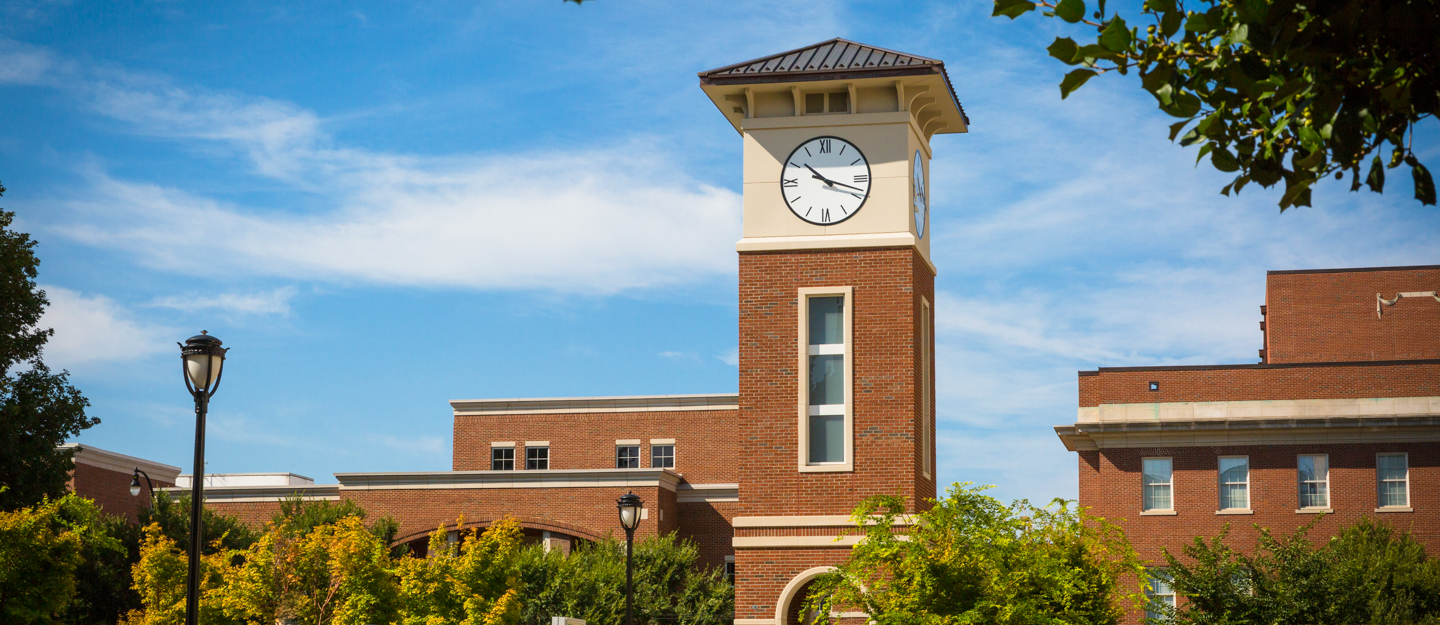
[(825, 181)]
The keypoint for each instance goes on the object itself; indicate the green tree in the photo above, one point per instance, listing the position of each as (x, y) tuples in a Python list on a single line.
[(472, 584), (1274, 90), (589, 583), (971, 559), (42, 547), (300, 515), (172, 516), (39, 410), (1368, 573), (102, 581)]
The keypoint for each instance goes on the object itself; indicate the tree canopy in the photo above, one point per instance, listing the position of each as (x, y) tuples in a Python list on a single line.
[(39, 410), (1274, 90)]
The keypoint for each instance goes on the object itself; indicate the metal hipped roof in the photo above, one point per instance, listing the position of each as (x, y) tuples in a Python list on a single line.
[(826, 56)]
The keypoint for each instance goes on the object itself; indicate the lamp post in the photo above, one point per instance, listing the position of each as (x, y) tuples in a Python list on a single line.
[(629, 505), (135, 483), (203, 360)]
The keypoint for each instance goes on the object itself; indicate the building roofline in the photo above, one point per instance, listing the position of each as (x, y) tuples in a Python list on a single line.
[(1351, 270), (551, 478), (1265, 365), (570, 405), (112, 461)]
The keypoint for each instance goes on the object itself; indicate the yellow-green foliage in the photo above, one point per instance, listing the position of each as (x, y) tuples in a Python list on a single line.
[(159, 578), (474, 585), (38, 557)]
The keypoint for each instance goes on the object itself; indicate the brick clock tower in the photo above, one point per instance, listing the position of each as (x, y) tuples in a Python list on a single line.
[(836, 302)]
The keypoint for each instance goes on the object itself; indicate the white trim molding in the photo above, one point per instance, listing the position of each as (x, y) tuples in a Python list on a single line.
[(755, 542), (578, 405), (121, 463), (495, 444), (782, 604), (1277, 422), (552, 478), (806, 521), (1380, 300), (256, 494), (847, 349), (707, 493), (662, 441)]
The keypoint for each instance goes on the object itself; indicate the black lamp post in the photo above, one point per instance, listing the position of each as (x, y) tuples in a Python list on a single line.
[(203, 360), (629, 505), (135, 483)]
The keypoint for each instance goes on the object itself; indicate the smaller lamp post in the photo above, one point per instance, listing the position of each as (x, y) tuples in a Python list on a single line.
[(629, 505), (135, 483)]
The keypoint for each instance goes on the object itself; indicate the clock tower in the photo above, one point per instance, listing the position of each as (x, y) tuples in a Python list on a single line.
[(836, 302)]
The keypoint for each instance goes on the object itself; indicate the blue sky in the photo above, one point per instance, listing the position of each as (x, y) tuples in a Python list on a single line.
[(382, 207)]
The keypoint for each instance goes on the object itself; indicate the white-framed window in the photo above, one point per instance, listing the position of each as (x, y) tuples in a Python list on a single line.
[(1157, 486), (662, 456), (1313, 478), (1234, 482), (502, 458), (1160, 595), (826, 415), (1392, 476), (537, 458), (627, 456), (730, 569), (927, 392)]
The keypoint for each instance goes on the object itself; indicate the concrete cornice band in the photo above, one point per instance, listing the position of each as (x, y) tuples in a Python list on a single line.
[(253, 494), (553, 478), (121, 463), (577, 405)]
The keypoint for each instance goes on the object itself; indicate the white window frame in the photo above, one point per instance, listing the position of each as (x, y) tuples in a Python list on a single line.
[(636, 445), (529, 447), (1379, 481), (1153, 597), (803, 381), (927, 392), (493, 459), (671, 445), (1328, 495), (1171, 484), (1220, 484)]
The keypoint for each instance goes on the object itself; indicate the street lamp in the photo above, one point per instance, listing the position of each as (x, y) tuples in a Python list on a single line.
[(629, 505), (203, 360), (135, 483)]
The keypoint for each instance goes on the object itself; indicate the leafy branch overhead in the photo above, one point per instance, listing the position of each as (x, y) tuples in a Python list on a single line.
[(1274, 90)]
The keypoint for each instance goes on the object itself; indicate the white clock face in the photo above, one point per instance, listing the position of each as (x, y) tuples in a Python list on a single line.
[(921, 202), (825, 181)]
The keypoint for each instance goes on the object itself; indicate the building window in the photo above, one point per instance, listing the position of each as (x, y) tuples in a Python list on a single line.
[(1314, 478), (927, 393), (627, 456), (825, 432), (1234, 483), (1393, 473), (730, 569), (662, 456), (1160, 595), (835, 102), (502, 458), (1156, 485), (537, 458)]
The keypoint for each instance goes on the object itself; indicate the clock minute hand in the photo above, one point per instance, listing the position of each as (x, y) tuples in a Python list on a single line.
[(828, 181)]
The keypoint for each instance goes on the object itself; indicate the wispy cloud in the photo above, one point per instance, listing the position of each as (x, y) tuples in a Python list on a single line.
[(94, 328), (731, 357), (601, 219), (273, 302)]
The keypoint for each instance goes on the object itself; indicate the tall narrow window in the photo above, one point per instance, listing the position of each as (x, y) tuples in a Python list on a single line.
[(502, 458), (1235, 483), (826, 439), (1155, 482), (662, 456), (1393, 473), (927, 393), (537, 458), (730, 569), (627, 456), (1161, 595), (1314, 478)]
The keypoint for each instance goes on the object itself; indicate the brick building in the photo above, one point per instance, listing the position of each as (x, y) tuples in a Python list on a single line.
[(1341, 417), (104, 476), (836, 371)]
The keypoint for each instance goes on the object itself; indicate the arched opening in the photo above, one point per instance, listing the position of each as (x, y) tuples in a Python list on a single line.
[(550, 535), (790, 608)]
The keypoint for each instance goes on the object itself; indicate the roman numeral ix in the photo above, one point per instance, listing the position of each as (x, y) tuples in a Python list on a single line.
[(789, 182)]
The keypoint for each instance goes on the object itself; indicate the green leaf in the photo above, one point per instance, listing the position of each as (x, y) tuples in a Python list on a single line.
[(1310, 137), (1073, 80), (1071, 10), (1176, 127), (1204, 149), (1096, 51), (1190, 137), (1157, 77), (1115, 37), (1064, 49), (1376, 179), (1158, 6), (1297, 193), (1239, 34), (1196, 23), (1240, 183), (1424, 184), (1170, 24), (1012, 8), (1223, 160), (1182, 105)]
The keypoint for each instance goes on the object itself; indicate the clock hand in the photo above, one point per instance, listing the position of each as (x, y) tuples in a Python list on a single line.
[(828, 181)]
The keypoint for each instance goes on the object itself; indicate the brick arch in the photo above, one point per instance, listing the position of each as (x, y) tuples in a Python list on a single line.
[(534, 524), (792, 591)]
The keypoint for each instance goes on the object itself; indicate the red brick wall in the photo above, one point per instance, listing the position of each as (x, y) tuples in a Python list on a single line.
[(1261, 382), (708, 524), (705, 442), (761, 575), (887, 286), (110, 489), (1329, 316), (1110, 487), (253, 513)]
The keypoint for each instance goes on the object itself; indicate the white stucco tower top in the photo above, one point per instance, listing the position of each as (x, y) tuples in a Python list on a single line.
[(885, 104)]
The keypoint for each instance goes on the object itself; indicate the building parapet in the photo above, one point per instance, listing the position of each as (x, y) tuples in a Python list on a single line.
[(271, 493), (213, 480), (121, 463), (576, 405), (710, 493), (552, 478)]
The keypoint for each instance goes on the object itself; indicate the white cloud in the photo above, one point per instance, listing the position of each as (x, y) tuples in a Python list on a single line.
[(90, 329), (274, 302), (731, 357)]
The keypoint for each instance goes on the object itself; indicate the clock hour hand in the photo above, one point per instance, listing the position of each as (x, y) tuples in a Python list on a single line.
[(828, 181)]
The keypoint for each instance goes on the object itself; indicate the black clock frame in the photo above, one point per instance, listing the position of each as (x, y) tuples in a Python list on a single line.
[(868, 174)]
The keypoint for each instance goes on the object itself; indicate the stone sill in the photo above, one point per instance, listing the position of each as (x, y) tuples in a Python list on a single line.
[(1315, 511), (1158, 513), (1394, 509), (1235, 511)]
